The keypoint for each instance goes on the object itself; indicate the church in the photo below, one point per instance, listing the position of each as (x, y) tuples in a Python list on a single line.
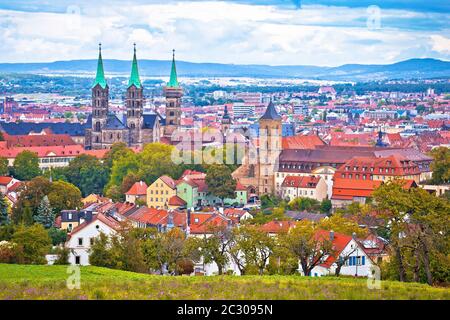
[(137, 128)]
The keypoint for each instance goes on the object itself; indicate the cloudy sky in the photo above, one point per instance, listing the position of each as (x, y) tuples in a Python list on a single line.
[(275, 32)]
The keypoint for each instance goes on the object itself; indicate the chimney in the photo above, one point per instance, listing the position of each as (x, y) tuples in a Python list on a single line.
[(331, 235), (354, 235), (188, 220)]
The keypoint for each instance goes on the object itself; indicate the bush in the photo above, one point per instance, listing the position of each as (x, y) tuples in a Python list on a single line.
[(10, 252), (58, 236), (63, 256), (33, 242), (185, 266)]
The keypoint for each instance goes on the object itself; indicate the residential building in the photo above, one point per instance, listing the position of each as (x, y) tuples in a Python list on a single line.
[(160, 192), (137, 193), (83, 236), (313, 187)]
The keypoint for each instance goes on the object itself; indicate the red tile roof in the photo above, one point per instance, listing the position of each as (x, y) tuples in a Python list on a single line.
[(138, 189), (39, 140), (300, 181), (301, 142), (176, 201), (339, 243), (347, 189), (277, 226), (5, 180)]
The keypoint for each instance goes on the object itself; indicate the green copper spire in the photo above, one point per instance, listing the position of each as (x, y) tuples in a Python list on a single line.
[(100, 77), (173, 82), (134, 78)]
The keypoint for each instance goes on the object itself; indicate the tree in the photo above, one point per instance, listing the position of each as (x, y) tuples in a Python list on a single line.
[(326, 206), (215, 247), (64, 196), (4, 216), (45, 214), (4, 169), (306, 245), (338, 223), (440, 165), (117, 151), (100, 254), (88, 174), (251, 249), (30, 195), (26, 165), (34, 243), (155, 161), (303, 204), (58, 236), (63, 256), (220, 182)]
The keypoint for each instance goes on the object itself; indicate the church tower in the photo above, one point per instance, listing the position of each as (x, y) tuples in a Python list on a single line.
[(270, 140), (135, 104), (173, 94), (226, 121), (100, 101)]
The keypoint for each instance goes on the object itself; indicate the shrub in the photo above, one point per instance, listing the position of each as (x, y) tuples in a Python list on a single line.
[(63, 256), (185, 266), (9, 252)]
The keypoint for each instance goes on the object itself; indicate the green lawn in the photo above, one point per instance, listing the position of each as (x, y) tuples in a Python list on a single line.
[(49, 282)]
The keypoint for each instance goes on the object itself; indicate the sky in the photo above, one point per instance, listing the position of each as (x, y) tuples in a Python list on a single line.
[(273, 32)]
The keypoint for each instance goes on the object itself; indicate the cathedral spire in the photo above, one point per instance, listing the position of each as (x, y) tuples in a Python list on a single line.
[(100, 77), (173, 82), (134, 78)]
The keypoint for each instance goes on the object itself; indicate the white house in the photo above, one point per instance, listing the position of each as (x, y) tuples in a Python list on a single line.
[(82, 237), (356, 261), (313, 187)]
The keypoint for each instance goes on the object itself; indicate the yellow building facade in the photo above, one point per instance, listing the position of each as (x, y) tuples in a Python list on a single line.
[(160, 192)]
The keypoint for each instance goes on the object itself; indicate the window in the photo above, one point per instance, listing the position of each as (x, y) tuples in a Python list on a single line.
[(69, 227), (69, 216), (363, 260), (91, 241), (80, 241), (77, 260)]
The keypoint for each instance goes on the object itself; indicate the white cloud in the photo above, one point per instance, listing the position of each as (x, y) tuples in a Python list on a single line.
[(216, 32), (440, 44)]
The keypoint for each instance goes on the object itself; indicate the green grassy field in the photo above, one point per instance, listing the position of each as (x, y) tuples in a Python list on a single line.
[(49, 282)]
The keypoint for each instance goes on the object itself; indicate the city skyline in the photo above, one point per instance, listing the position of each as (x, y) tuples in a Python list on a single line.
[(321, 33)]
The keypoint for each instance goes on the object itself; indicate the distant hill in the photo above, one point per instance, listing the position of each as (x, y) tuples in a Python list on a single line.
[(413, 68)]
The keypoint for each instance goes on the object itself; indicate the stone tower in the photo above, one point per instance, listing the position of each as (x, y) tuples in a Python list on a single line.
[(100, 102), (135, 104), (270, 141), (173, 94), (226, 121)]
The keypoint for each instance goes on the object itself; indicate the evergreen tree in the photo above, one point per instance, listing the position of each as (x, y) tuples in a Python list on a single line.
[(4, 218), (45, 214)]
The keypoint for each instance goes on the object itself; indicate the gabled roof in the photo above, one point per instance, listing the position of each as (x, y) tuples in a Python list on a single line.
[(340, 241), (138, 189), (176, 201), (109, 221), (113, 123), (300, 182), (277, 226), (169, 181), (150, 120), (347, 189), (301, 142), (271, 113)]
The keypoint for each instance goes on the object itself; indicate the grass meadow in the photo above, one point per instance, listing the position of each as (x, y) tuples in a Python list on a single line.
[(50, 282)]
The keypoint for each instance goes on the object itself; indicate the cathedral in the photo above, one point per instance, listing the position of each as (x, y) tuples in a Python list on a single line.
[(137, 128)]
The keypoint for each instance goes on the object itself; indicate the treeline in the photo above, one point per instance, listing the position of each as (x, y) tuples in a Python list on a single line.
[(247, 247)]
